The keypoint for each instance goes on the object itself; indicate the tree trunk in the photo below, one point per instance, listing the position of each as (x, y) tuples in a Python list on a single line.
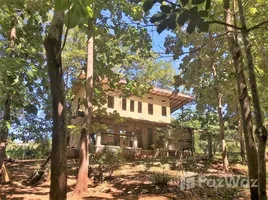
[(222, 136), (82, 179), (244, 101), (7, 108), (4, 130), (242, 141), (210, 156), (260, 130), (58, 184), (221, 121)]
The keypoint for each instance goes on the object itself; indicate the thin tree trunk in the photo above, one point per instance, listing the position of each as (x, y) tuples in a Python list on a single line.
[(210, 156), (244, 101), (260, 130), (4, 130), (222, 136), (58, 184), (221, 121), (82, 179), (7, 108), (242, 141)]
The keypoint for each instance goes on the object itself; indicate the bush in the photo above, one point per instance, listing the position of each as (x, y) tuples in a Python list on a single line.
[(110, 159), (160, 179), (28, 150)]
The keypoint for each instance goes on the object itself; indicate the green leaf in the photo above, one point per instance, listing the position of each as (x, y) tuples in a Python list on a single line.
[(73, 17), (30, 73), (197, 2), (147, 5), (184, 2), (203, 13), (165, 9), (162, 26), (8, 125), (172, 21), (71, 126), (208, 4), (183, 17), (203, 26), (190, 28), (158, 17), (61, 5), (88, 12)]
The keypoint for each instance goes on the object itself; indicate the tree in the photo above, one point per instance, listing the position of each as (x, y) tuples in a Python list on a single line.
[(196, 18), (52, 42), (260, 131)]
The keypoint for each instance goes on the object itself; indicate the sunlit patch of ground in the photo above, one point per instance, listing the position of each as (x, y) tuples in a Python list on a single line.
[(132, 180)]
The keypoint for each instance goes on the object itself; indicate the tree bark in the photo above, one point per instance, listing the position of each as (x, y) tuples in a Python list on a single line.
[(244, 101), (260, 130), (210, 155), (82, 179), (4, 130), (242, 141), (7, 108), (58, 184), (222, 136), (221, 121)]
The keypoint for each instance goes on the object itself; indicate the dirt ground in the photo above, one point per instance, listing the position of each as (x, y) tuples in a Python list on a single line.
[(132, 180)]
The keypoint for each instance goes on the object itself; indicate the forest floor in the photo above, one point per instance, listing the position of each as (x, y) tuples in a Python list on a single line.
[(136, 180)]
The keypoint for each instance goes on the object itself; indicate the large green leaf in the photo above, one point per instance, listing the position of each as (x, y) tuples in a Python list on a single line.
[(203, 26), (162, 26), (184, 2), (165, 9), (190, 27), (158, 17), (172, 21), (88, 12), (61, 5), (73, 17), (196, 2), (208, 4), (183, 17), (147, 5)]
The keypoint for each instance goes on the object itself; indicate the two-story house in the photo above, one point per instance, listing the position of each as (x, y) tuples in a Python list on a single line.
[(141, 117)]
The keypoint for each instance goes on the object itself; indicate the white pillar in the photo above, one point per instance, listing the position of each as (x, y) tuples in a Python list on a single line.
[(98, 141), (166, 146), (135, 141)]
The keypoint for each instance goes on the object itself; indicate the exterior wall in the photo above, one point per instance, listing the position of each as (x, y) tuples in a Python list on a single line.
[(157, 102)]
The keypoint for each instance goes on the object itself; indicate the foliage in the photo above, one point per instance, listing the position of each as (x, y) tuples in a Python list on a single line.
[(110, 159), (192, 14), (29, 150)]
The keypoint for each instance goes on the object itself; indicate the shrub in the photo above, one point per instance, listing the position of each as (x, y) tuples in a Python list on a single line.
[(110, 159), (160, 179), (28, 150)]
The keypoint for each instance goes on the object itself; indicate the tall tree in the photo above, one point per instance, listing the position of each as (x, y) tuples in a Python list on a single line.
[(82, 179), (52, 42), (260, 131)]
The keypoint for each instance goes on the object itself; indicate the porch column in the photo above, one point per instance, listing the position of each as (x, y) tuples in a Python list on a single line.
[(98, 141), (166, 146), (135, 141)]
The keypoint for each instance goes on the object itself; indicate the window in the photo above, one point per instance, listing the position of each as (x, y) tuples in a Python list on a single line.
[(132, 106), (150, 109), (139, 107), (164, 111), (110, 102), (124, 104)]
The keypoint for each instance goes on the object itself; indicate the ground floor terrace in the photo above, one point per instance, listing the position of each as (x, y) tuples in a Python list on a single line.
[(137, 138)]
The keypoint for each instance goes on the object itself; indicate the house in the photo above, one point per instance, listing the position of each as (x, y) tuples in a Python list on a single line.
[(141, 117)]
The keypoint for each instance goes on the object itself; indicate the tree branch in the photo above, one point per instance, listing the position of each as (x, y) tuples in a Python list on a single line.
[(225, 24), (257, 26)]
